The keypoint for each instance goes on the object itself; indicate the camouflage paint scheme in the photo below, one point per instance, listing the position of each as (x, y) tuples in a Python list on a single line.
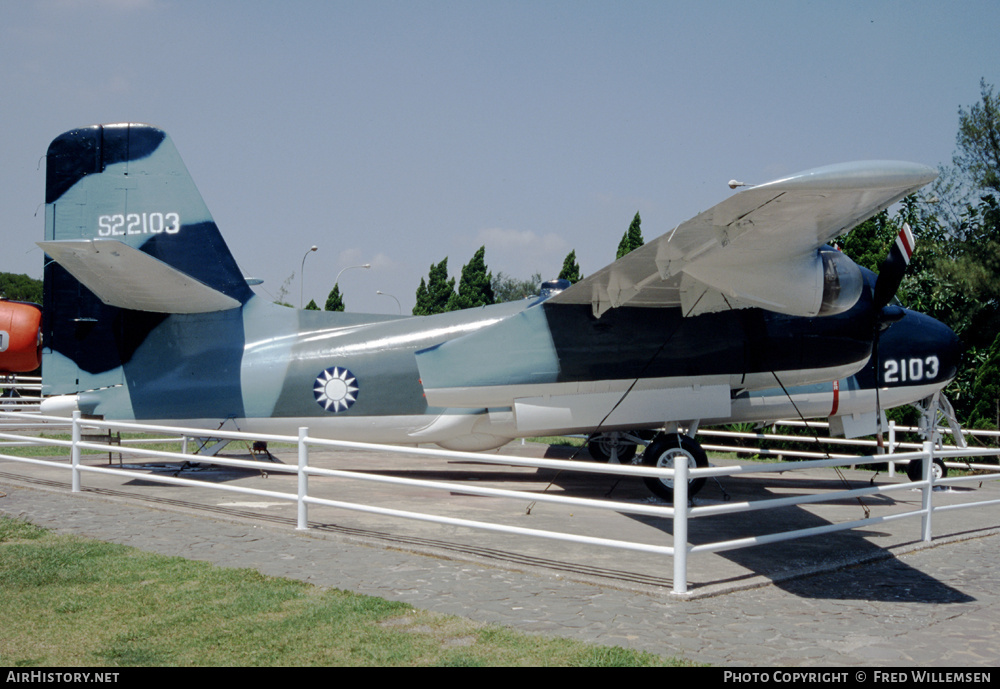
[(470, 380)]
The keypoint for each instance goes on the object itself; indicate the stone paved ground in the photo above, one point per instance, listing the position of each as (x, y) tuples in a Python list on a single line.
[(931, 607)]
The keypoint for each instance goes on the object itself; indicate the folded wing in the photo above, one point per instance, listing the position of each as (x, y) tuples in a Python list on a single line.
[(760, 248)]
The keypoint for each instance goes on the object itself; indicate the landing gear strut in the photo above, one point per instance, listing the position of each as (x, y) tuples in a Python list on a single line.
[(613, 446), (934, 409)]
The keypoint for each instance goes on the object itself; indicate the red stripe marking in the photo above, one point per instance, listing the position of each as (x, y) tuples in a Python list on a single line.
[(905, 242), (836, 397)]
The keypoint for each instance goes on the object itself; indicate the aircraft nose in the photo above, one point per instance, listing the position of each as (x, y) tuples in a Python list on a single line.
[(918, 349)]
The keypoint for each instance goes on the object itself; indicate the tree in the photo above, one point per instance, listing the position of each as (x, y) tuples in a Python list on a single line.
[(978, 141), (283, 292), (474, 287), (20, 288), (434, 295), (969, 269), (632, 239), (571, 269), (334, 300), (955, 272), (420, 307), (312, 306), (868, 243), (986, 409), (975, 168), (507, 288)]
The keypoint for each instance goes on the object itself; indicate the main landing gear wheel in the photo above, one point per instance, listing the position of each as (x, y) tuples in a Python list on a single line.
[(915, 469), (666, 450), (602, 447)]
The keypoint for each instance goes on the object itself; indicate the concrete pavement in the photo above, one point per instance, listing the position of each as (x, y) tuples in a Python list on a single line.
[(866, 597)]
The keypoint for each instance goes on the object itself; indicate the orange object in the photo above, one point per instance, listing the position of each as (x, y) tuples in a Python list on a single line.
[(20, 337)]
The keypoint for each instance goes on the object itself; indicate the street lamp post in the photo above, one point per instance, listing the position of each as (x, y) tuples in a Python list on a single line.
[(337, 281), (384, 294), (302, 274)]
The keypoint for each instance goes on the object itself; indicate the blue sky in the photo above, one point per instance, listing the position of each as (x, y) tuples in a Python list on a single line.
[(398, 133)]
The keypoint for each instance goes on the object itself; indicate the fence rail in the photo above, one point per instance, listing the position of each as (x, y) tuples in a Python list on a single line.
[(681, 512), (888, 450), (20, 393)]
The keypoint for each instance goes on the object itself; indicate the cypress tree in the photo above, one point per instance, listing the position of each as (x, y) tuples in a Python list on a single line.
[(434, 295), (570, 268), (632, 239), (474, 288), (420, 308), (334, 302)]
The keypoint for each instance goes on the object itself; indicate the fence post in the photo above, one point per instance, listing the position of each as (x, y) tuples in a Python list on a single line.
[(303, 515), (74, 453), (680, 524), (928, 489), (892, 447)]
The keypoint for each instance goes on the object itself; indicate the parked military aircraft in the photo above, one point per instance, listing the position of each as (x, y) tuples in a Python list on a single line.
[(148, 317)]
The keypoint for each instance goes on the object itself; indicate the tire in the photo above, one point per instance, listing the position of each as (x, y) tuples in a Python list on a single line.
[(662, 453), (602, 445), (915, 469)]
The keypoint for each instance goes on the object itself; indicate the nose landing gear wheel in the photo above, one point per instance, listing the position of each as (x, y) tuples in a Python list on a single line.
[(915, 470), (666, 450)]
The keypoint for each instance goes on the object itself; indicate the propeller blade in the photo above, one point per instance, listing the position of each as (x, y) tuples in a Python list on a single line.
[(890, 275), (893, 268)]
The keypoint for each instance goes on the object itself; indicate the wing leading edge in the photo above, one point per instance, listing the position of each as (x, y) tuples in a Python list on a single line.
[(758, 248)]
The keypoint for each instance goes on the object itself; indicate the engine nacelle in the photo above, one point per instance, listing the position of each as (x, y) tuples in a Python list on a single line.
[(20, 337), (827, 282), (842, 282)]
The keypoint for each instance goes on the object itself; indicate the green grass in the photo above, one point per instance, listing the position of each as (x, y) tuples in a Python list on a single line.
[(69, 601), (561, 440), (58, 451), (166, 446)]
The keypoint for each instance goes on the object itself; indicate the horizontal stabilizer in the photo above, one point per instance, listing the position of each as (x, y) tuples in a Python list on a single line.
[(128, 278)]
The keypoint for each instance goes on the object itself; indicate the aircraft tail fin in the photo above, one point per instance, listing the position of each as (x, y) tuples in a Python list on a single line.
[(126, 183), (129, 241)]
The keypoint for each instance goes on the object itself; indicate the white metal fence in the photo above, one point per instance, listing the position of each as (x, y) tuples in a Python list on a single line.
[(20, 393), (681, 512), (759, 443)]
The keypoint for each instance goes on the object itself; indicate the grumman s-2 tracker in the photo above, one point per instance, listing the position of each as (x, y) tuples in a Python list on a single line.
[(147, 317)]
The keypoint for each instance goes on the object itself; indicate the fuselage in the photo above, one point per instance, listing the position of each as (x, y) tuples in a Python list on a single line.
[(268, 368)]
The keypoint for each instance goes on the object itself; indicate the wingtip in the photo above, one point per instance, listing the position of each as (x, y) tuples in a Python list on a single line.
[(864, 174)]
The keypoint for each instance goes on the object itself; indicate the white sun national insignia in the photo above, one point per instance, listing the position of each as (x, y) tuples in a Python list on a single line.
[(336, 389)]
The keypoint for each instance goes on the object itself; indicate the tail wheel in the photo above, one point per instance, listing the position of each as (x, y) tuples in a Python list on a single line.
[(915, 470), (663, 452), (603, 446)]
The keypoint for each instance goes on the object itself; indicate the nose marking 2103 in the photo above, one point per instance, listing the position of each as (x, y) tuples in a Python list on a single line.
[(910, 370)]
